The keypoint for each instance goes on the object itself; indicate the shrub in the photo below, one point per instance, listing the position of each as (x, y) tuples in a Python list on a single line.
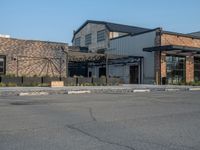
[(2, 85), (10, 84)]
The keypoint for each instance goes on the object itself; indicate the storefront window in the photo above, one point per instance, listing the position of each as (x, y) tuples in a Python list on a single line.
[(176, 69), (2, 65), (197, 68)]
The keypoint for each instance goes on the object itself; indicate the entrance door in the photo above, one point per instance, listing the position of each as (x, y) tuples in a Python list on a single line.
[(102, 72), (134, 74)]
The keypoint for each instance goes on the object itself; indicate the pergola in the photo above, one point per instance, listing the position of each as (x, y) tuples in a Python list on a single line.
[(95, 59)]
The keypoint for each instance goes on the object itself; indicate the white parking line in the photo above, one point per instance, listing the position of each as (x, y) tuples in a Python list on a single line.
[(172, 90), (33, 93), (79, 92), (141, 90)]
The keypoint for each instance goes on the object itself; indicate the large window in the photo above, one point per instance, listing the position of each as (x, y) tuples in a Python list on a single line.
[(2, 65), (101, 35), (78, 41), (176, 69), (197, 68), (88, 39)]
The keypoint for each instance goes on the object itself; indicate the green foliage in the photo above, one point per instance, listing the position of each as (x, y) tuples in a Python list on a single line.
[(2, 85), (9, 75), (10, 84), (195, 83)]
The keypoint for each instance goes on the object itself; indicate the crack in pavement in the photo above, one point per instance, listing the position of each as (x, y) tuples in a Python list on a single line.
[(91, 114), (99, 139), (126, 146)]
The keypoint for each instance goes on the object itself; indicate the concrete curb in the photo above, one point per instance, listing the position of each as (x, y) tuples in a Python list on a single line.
[(141, 90), (88, 90), (33, 93), (171, 90), (79, 92), (194, 89)]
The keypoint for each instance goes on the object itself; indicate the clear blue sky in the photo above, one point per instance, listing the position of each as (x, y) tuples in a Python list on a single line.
[(55, 20)]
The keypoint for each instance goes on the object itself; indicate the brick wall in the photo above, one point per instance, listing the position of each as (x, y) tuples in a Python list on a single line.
[(163, 65), (189, 69), (30, 58), (170, 39)]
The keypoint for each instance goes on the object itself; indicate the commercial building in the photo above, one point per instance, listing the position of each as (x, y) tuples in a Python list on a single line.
[(152, 56), (32, 58)]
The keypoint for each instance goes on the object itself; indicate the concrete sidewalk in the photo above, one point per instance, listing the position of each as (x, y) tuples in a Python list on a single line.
[(14, 91)]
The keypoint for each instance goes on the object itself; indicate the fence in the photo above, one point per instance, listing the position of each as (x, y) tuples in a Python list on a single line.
[(31, 81)]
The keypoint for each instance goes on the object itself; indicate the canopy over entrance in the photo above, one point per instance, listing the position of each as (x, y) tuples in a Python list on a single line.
[(175, 49)]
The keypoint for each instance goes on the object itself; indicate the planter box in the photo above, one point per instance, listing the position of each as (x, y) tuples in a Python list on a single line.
[(57, 83)]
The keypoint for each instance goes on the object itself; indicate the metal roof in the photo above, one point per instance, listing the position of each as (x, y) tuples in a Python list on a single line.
[(195, 33), (172, 48), (114, 27)]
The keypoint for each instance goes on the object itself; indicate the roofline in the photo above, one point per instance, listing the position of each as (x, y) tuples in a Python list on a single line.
[(180, 34), (99, 22), (136, 33), (84, 24), (194, 32), (35, 40)]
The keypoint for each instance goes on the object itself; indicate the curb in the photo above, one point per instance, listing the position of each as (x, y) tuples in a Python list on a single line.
[(171, 90), (141, 90), (79, 92), (194, 89), (91, 90), (33, 93)]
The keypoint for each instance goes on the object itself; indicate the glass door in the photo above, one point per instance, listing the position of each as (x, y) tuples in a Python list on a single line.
[(176, 69)]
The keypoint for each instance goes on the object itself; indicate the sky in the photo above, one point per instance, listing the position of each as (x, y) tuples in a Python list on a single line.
[(55, 20)]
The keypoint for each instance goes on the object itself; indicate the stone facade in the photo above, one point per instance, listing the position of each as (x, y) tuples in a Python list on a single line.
[(33, 58)]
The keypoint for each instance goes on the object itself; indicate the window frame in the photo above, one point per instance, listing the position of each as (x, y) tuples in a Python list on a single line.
[(197, 68), (88, 39), (4, 64), (75, 41), (102, 38), (175, 69)]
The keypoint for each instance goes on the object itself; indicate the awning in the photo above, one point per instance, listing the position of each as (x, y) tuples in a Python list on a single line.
[(175, 48)]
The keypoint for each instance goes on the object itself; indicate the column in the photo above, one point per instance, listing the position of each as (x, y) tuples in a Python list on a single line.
[(189, 69)]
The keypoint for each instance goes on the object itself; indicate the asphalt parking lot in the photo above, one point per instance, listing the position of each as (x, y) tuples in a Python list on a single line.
[(135, 121)]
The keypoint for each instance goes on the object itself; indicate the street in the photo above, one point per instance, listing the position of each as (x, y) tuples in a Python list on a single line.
[(134, 121)]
